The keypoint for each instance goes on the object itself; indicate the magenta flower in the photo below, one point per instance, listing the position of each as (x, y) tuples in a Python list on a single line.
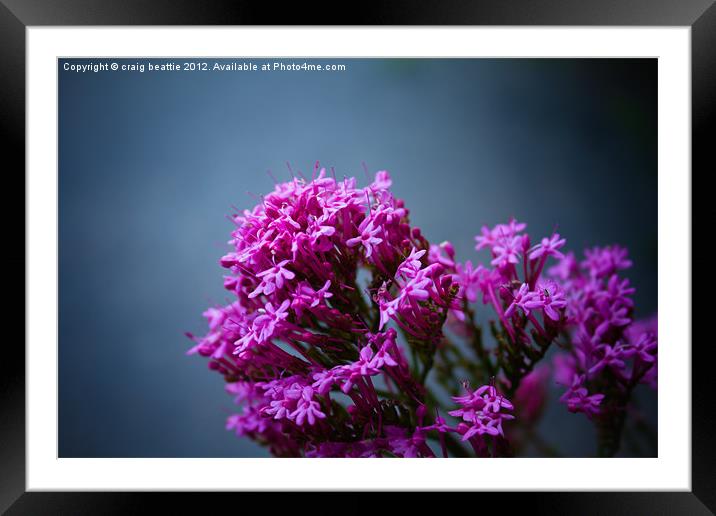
[(489, 238), (411, 265), (605, 261), (613, 316), (215, 317), (307, 409), (284, 399), (468, 277), (531, 395), (383, 356), (388, 310), (511, 228), (265, 324), (548, 297), (578, 399), (247, 341), (507, 251), (382, 181), (273, 279), (566, 268), (519, 299), (565, 367), (306, 298), (610, 356), (369, 363), (483, 410), (367, 238), (617, 292), (548, 247), (324, 380), (444, 254), (485, 239), (414, 290), (645, 348)]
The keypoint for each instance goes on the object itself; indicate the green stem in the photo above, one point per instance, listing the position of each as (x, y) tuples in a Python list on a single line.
[(454, 446), (477, 345)]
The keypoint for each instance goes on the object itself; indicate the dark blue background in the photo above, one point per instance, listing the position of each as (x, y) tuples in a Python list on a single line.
[(150, 163)]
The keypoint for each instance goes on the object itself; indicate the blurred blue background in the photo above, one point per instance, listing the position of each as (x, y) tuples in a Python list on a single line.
[(150, 163)]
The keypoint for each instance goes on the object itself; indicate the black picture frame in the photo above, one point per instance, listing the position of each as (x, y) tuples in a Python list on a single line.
[(16, 15)]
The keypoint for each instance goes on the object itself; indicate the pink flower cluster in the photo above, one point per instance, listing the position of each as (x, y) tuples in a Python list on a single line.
[(530, 308), (338, 316), (303, 345), (610, 350), (483, 411)]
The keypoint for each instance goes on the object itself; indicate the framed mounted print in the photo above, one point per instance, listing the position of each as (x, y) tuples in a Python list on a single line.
[(393, 255)]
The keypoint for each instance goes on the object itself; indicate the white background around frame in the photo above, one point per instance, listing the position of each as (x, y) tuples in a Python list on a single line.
[(670, 471)]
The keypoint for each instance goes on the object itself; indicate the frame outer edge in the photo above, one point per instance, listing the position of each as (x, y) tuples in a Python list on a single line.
[(12, 125), (703, 113), (12, 134), (371, 12)]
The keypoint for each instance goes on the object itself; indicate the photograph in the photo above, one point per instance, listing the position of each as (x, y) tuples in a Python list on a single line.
[(357, 257)]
